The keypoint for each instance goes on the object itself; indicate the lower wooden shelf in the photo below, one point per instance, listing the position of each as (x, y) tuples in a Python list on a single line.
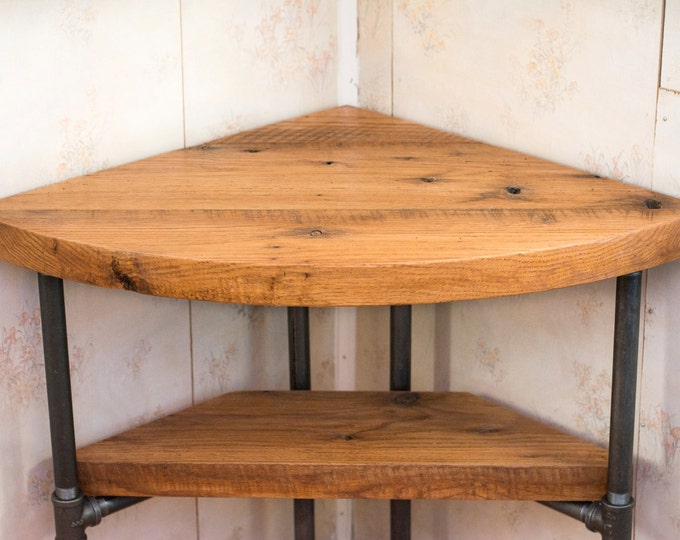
[(384, 445)]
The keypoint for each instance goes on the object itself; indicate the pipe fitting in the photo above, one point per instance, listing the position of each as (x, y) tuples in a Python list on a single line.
[(617, 520)]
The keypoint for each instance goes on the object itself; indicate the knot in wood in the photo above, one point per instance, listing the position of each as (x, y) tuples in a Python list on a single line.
[(486, 430), (122, 277), (406, 398)]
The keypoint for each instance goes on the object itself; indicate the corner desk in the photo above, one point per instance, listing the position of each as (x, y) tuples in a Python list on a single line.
[(343, 207)]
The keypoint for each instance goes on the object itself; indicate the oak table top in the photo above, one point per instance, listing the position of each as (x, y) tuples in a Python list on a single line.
[(339, 207)]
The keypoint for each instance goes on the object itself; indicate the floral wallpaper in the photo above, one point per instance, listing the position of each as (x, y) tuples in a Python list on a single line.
[(375, 53), (88, 85), (248, 64), (532, 66), (578, 83), (23, 377)]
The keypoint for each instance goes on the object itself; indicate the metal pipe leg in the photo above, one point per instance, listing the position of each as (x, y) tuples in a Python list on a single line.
[(300, 379), (400, 379), (400, 348), (612, 517), (67, 499), (298, 348), (618, 504)]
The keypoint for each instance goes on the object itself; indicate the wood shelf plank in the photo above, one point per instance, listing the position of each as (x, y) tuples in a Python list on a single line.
[(387, 445), (316, 210)]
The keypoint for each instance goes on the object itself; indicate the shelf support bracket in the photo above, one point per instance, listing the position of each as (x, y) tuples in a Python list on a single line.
[(590, 513), (613, 522), (97, 508)]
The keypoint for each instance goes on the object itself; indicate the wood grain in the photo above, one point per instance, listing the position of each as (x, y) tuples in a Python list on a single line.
[(341, 207), (389, 445)]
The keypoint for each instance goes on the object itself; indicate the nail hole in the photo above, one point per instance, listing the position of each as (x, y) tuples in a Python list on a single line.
[(315, 232), (329, 162), (653, 204), (513, 190)]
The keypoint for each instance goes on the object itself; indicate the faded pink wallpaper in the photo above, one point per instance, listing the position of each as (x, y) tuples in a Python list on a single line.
[(87, 85), (577, 83)]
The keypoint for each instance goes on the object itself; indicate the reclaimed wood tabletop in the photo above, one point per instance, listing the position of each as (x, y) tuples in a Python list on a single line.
[(339, 207)]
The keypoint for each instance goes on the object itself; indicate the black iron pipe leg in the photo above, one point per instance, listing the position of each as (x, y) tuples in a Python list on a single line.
[(612, 517), (624, 380), (303, 510), (400, 379), (400, 347), (67, 499), (300, 379), (298, 348), (618, 504), (400, 520)]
